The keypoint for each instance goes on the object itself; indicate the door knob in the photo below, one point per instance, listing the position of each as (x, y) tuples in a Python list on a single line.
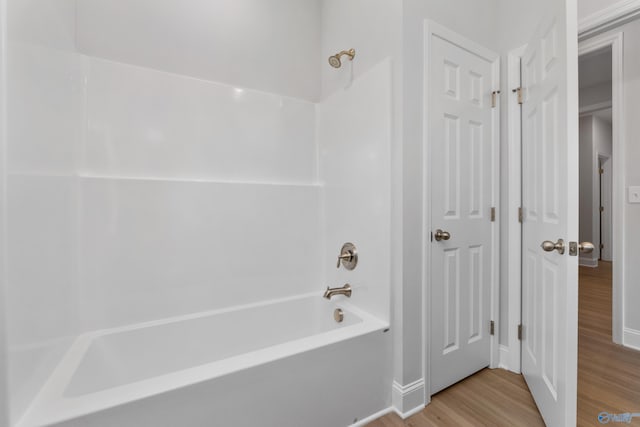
[(549, 246), (440, 235), (586, 247)]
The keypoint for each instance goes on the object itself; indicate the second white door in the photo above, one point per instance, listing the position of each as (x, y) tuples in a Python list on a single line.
[(462, 132)]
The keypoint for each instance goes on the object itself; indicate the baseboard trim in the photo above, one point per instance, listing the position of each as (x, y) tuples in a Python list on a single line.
[(588, 262), (631, 338), (363, 422), (408, 399), (504, 357)]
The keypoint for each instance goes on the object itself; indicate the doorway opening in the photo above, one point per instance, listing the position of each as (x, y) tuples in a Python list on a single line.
[(601, 307)]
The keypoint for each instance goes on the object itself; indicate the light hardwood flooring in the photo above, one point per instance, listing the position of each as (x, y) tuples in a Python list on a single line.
[(608, 376)]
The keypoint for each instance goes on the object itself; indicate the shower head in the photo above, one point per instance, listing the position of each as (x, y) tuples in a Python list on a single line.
[(335, 61)]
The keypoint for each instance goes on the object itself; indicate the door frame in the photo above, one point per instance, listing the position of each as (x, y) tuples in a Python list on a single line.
[(510, 352), (615, 41), (608, 226), (433, 29)]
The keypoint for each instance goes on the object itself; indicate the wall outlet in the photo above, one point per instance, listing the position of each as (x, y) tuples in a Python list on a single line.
[(634, 194)]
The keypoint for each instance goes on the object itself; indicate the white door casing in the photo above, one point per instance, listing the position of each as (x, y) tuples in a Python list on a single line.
[(462, 136), (550, 203), (606, 227)]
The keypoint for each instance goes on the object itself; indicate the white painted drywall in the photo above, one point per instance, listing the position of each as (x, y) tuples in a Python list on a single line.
[(596, 95), (371, 27), (589, 7), (4, 366), (476, 20), (272, 46), (586, 183)]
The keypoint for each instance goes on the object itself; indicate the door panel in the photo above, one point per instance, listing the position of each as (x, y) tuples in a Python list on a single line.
[(461, 130), (550, 205)]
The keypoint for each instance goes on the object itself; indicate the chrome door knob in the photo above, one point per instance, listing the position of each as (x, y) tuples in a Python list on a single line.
[(549, 246), (440, 235), (586, 247)]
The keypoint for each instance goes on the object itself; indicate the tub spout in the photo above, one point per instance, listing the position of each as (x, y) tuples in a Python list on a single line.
[(345, 290)]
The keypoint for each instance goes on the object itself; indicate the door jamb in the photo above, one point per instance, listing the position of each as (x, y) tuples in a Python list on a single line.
[(510, 353), (433, 29), (615, 42)]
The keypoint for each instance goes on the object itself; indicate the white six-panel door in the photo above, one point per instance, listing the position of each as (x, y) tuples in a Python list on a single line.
[(462, 133), (550, 204)]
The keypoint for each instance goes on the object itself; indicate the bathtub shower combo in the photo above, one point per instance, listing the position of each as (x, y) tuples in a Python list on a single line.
[(177, 195)]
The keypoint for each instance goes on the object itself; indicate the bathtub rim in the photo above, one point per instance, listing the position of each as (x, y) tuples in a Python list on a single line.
[(50, 406)]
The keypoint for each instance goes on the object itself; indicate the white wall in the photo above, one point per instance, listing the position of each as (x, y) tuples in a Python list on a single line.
[(478, 21), (43, 115), (272, 46), (589, 7), (595, 95), (4, 382), (586, 183), (632, 157), (371, 27)]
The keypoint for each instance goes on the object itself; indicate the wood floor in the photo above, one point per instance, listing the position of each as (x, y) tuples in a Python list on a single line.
[(608, 376)]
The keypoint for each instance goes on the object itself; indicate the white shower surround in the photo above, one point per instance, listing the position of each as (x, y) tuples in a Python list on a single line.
[(160, 171)]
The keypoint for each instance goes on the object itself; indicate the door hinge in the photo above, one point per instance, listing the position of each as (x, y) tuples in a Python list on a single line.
[(520, 332), (601, 171), (494, 98), (519, 92), (601, 245), (493, 214), (601, 208), (520, 215), (492, 328)]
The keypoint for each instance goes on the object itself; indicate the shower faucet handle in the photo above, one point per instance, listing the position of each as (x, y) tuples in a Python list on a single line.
[(348, 256)]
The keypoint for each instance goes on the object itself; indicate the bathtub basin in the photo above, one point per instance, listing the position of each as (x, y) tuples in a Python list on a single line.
[(194, 370)]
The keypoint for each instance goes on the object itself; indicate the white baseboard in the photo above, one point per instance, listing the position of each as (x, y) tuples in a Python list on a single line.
[(408, 399), (588, 262), (631, 338), (363, 422), (504, 357)]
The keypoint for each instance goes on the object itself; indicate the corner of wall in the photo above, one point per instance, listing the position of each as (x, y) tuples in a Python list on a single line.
[(409, 399)]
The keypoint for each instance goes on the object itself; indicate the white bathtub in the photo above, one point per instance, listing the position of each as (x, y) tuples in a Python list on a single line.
[(283, 363)]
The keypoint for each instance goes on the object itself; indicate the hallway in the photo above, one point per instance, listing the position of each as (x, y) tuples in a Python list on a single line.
[(608, 376)]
